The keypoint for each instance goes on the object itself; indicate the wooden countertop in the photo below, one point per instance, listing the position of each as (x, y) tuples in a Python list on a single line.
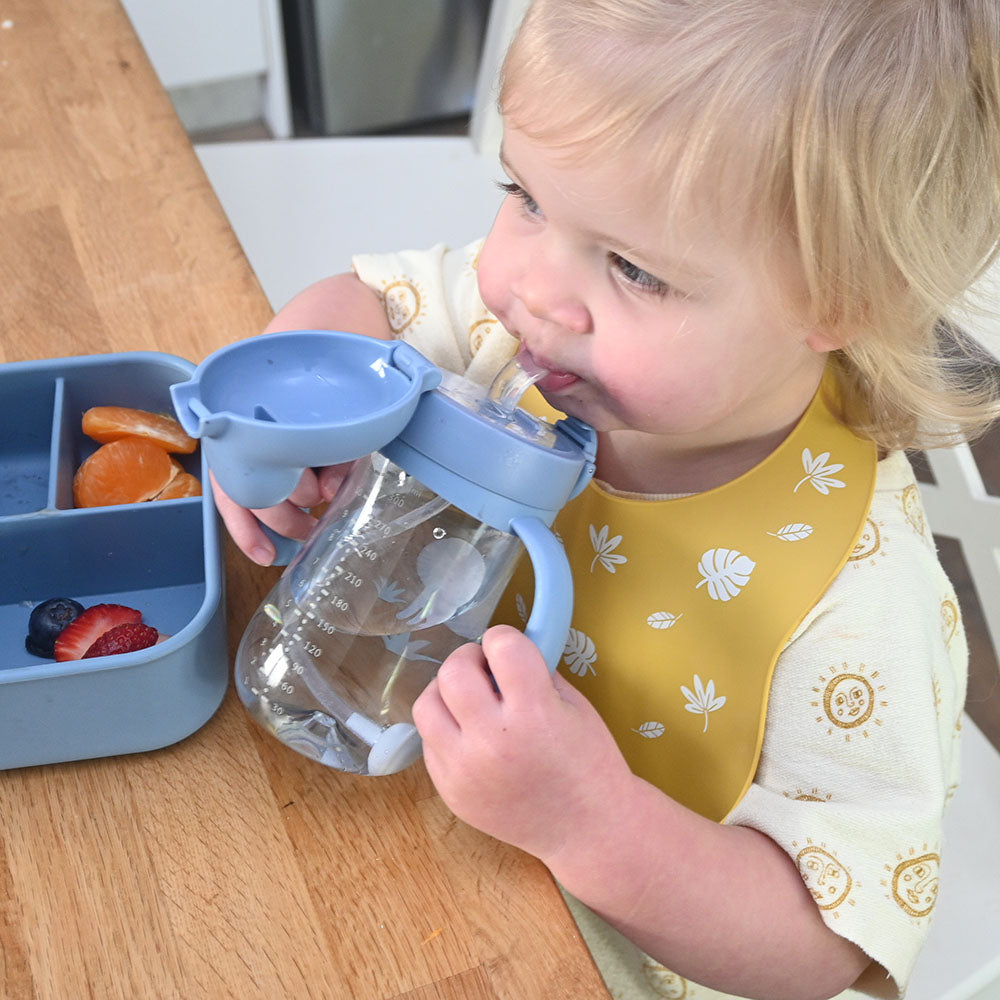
[(226, 865)]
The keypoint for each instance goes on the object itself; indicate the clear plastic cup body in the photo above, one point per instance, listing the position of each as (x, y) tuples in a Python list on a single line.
[(392, 580)]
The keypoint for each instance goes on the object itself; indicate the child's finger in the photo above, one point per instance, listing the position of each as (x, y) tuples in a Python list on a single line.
[(432, 718), (307, 492), (465, 684), (287, 519), (516, 665), (568, 693), (243, 527), (330, 477)]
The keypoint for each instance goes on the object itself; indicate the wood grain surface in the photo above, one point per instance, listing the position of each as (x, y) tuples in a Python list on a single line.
[(226, 865)]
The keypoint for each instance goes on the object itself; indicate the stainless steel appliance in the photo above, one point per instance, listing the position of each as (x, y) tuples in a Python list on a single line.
[(359, 66)]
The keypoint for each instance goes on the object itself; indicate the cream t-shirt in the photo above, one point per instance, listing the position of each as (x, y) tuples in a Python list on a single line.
[(857, 806)]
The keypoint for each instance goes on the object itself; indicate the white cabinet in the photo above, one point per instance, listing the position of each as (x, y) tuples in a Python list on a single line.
[(218, 54)]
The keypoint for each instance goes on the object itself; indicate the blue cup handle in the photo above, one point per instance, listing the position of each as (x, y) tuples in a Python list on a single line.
[(552, 609)]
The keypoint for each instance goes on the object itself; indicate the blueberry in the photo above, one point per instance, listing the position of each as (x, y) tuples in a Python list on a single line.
[(46, 622)]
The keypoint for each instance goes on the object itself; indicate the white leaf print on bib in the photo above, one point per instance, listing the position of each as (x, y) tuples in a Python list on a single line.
[(819, 473), (663, 619), (580, 653), (792, 532), (726, 572), (522, 607), (650, 730), (702, 700), (604, 547)]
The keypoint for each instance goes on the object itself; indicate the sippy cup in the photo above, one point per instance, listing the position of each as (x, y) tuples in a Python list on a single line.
[(451, 482)]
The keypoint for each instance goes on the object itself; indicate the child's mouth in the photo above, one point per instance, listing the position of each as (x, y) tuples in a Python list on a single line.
[(554, 380)]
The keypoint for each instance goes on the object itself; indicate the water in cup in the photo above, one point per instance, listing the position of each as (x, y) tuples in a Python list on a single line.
[(392, 580)]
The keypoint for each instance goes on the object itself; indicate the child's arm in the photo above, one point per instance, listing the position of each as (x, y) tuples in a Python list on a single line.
[(341, 302), (535, 766)]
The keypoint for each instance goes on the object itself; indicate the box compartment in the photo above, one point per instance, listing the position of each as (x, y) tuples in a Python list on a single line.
[(163, 558)]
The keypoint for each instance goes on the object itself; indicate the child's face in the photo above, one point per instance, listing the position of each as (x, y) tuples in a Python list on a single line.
[(644, 329)]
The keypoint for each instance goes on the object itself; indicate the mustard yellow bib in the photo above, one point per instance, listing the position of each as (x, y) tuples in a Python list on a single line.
[(682, 606)]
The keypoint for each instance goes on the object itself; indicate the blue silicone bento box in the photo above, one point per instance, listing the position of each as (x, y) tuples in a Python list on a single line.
[(162, 557)]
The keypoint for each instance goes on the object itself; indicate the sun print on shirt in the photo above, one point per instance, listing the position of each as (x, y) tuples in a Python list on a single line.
[(404, 302), (936, 688), (849, 700), (950, 620), (913, 510), (870, 545), (828, 880), (663, 982), (912, 882), (480, 330), (813, 795)]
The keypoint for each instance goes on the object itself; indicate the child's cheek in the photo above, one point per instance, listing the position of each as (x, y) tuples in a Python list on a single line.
[(490, 287)]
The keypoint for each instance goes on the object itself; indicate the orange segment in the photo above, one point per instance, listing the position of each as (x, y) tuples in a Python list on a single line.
[(109, 423), (127, 470), (182, 485)]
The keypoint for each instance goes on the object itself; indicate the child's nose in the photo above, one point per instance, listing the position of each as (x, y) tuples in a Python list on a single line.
[(551, 294)]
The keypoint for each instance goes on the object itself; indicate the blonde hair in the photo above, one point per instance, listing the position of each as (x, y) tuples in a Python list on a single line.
[(861, 135)]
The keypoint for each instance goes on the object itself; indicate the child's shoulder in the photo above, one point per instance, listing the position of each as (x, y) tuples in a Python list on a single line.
[(890, 619), (897, 506), (893, 580)]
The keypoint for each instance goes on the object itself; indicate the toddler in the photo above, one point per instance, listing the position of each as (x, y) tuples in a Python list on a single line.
[(733, 233)]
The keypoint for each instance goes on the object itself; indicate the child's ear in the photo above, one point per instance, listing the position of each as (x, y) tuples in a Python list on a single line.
[(823, 340)]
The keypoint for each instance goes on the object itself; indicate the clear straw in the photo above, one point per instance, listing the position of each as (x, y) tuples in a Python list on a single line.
[(513, 381)]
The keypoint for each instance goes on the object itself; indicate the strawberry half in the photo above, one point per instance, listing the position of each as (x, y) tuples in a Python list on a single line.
[(124, 638), (81, 633)]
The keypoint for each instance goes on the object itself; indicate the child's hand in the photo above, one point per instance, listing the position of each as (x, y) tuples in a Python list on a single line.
[(340, 302), (532, 764), (290, 518)]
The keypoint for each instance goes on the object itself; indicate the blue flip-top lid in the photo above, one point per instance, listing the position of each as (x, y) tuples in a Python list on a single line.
[(268, 407), (494, 463)]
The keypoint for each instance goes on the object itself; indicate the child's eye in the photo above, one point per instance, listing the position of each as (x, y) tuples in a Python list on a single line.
[(635, 275), (527, 202)]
